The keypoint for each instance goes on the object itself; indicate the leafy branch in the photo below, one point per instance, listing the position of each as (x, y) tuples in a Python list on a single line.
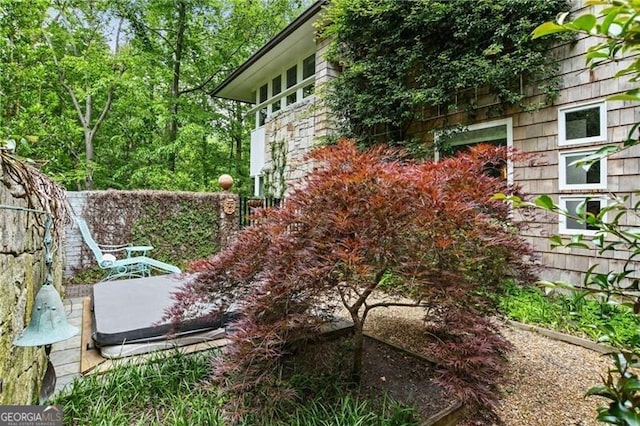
[(617, 25)]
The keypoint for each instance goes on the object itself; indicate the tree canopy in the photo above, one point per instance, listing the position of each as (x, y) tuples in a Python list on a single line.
[(115, 94)]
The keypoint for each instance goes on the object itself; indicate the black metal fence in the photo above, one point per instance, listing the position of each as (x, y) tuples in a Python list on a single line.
[(247, 204)]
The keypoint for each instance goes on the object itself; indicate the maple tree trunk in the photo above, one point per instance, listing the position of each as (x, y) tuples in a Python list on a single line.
[(358, 343)]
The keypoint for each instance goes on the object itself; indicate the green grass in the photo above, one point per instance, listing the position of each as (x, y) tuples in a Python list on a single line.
[(573, 313), (172, 390), (165, 391), (353, 412)]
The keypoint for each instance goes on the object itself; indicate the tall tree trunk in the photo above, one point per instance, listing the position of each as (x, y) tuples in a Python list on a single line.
[(172, 133), (89, 131), (88, 144)]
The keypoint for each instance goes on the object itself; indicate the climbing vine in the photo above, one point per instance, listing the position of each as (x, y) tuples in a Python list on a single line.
[(189, 232), (399, 58), (181, 226), (275, 183)]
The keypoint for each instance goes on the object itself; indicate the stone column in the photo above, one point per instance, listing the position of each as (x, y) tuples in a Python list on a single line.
[(229, 212)]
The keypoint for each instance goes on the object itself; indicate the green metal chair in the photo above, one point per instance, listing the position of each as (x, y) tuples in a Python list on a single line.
[(128, 267)]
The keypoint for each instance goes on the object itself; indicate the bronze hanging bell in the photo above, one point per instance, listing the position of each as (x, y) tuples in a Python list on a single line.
[(48, 323)]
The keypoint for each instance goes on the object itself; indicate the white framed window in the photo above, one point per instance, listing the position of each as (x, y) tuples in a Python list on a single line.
[(292, 80), (308, 70), (496, 132), (584, 204), (276, 88), (585, 123), (263, 96), (580, 177), (291, 85)]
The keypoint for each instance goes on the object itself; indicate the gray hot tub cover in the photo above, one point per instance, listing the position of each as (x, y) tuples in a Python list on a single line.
[(131, 311)]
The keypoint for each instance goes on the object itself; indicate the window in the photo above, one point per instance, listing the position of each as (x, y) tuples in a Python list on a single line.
[(258, 186), (579, 177), (307, 90), (495, 135), (276, 88), (292, 79), (582, 124), (497, 132), (309, 66), (292, 76), (297, 82), (276, 85), (580, 207), (263, 94), (262, 114)]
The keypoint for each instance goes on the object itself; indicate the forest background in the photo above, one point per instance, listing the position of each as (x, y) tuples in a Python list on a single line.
[(115, 93)]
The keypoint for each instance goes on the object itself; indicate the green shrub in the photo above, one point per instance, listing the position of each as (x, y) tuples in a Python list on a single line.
[(573, 313), (171, 390)]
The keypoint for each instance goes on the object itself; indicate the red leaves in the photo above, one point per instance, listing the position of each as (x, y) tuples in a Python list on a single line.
[(471, 354), (357, 217)]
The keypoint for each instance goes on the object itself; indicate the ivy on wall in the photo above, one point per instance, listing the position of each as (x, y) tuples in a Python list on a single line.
[(398, 58), (181, 226), (188, 231), (275, 177)]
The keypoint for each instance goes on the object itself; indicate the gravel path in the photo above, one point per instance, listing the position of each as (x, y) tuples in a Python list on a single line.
[(549, 380), (549, 377)]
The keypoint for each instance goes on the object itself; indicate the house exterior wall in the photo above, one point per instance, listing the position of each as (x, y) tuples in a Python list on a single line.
[(289, 135), (324, 126), (297, 129), (538, 133), (292, 132)]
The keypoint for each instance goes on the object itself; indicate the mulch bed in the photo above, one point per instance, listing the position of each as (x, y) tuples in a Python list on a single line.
[(387, 371), (404, 377)]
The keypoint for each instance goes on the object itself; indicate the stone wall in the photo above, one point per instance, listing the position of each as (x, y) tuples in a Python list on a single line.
[(289, 136), (292, 132), (22, 272), (73, 243), (111, 215)]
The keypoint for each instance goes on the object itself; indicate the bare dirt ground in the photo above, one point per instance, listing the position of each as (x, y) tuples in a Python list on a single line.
[(403, 377)]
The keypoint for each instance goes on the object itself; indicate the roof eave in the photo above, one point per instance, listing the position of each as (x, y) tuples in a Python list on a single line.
[(277, 39)]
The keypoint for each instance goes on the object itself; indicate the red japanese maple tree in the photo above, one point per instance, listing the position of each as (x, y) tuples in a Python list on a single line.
[(356, 219)]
